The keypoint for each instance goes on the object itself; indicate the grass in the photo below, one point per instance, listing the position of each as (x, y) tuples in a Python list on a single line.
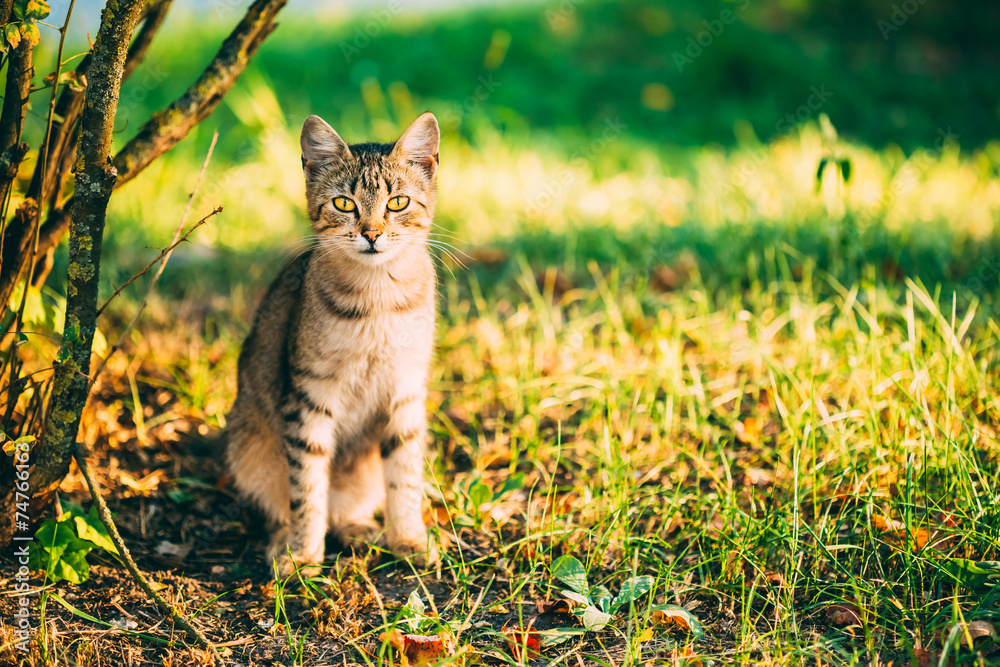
[(774, 394)]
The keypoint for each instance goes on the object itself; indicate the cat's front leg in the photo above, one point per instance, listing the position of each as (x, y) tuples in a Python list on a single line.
[(402, 451), (309, 446)]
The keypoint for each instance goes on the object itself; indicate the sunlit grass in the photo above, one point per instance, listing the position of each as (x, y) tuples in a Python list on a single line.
[(720, 375)]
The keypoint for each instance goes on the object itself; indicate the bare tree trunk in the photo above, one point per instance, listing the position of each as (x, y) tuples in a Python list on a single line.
[(94, 182), (18, 235)]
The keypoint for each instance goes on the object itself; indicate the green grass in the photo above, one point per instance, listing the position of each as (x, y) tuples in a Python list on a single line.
[(774, 394)]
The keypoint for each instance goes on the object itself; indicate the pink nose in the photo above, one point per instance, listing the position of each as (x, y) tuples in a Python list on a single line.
[(371, 234)]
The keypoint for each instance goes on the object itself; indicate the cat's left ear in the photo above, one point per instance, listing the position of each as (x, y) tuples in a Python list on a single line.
[(419, 144), (321, 145)]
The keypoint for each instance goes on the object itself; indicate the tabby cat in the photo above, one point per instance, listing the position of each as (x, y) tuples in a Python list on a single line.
[(329, 421)]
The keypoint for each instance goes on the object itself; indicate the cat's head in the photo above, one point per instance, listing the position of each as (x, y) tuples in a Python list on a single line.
[(371, 203)]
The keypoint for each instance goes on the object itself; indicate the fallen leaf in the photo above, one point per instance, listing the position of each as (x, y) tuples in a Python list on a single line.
[(165, 548), (981, 634), (644, 636), (685, 655), (896, 533), (924, 658), (674, 618), (419, 649), (844, 614), (561, 606), (524, 643), (748, 430)]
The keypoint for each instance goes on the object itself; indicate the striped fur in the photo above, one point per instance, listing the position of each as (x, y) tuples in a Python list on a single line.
[(329, 421)]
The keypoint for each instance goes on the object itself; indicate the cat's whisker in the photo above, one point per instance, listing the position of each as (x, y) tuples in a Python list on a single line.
[(299, 247), (444, 250)]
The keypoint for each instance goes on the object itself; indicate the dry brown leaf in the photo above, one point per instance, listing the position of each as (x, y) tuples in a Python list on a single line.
[(419, 649), (925, 658), (527, 641), (982, 633), (748, 430), (685, 655), (561, 606), (844, 614), (895, 532), (670, 621)]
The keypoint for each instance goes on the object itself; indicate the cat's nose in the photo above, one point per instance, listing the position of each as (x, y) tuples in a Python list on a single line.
[(372, 234)]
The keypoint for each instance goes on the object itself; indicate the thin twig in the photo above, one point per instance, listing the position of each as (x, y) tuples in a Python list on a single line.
[(163, 253), (165, 607)]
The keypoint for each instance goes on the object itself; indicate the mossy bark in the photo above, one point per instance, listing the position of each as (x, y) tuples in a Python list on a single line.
[(95, 179), (169, 126)]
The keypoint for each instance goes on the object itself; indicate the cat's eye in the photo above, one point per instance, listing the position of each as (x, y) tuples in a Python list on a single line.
[(398, 203), (344, 204)]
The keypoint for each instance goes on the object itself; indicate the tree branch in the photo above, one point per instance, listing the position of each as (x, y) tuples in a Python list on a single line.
[(165, 607), (166, 128), (94, 183)]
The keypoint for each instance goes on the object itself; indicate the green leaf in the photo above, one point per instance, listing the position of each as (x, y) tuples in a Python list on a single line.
[(29, 31), (72, 566), (559, 635), (633, 589), (63, 355), (512, 483), (601, 597), (480, 494), (60, 552), (31, 9), (594, 619), (571, 572), (70, 508), (91, 528), (12, 35), (973, 575), (414, 603)]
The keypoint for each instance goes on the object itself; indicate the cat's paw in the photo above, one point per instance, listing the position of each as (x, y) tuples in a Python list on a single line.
[(360, 534), (419, 550), (307, 565)]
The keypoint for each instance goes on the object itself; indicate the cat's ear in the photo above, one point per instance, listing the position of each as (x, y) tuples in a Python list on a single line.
[(321, 145), (419, 144)]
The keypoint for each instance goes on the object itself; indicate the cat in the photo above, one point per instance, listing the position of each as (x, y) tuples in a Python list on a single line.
[(329, 420)]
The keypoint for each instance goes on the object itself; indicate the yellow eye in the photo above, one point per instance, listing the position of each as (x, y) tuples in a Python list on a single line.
[(398, 203), (344, 204)]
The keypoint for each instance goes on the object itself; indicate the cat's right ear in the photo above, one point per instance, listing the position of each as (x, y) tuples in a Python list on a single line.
[(321, 145)]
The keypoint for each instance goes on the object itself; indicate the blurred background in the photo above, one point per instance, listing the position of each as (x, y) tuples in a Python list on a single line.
[(676, 142)]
